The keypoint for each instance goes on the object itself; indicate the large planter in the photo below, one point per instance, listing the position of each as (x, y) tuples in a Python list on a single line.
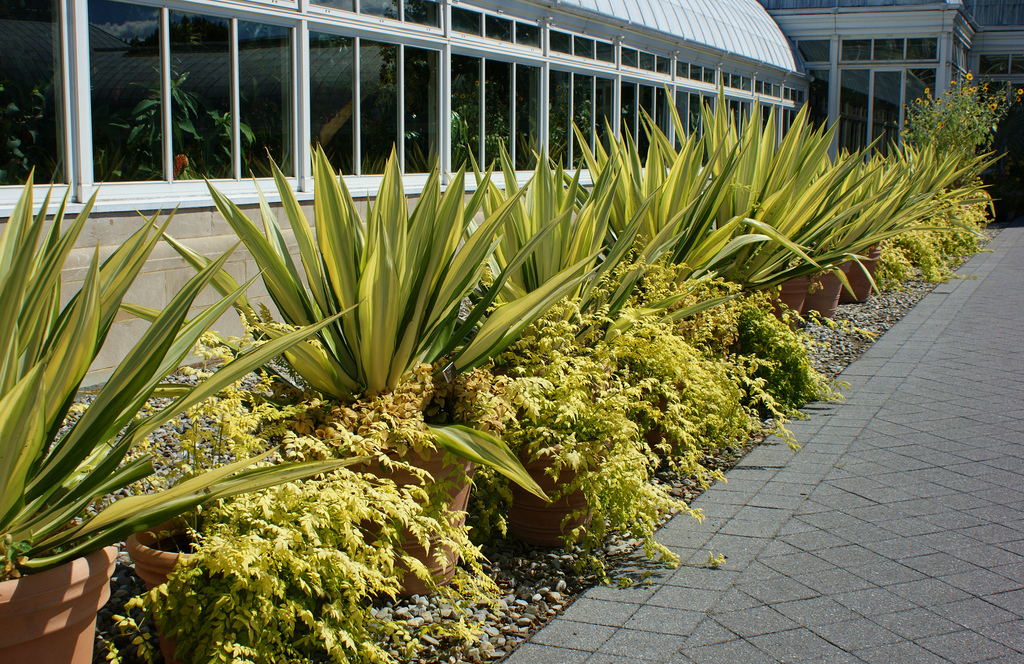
[(859, 281), (792, 293), (460, 477), (155, 553), (538, 522), (50, 617), (823, 295)]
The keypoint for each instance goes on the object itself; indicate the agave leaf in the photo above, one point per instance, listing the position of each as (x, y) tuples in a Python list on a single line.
[(483, 448)]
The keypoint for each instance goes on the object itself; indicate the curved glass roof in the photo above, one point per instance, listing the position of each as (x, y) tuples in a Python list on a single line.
[(741, 27)]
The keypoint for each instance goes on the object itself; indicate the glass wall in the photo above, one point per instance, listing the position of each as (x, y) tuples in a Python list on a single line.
[(853, 108), (885, 110), (265, 97), (497, 109), (527, 126), (31, 128), (378, 108), (331, 95), (466, 110), (422, 141)]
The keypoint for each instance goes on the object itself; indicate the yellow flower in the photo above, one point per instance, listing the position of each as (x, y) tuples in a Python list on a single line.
[(927, 91), (970, 77), (1020, 91), (993, 106)]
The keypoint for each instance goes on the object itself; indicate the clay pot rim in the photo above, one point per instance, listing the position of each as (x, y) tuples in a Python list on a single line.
[(73, 572)]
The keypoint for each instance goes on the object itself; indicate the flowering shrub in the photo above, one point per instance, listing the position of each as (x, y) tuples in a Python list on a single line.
[(964, 118)]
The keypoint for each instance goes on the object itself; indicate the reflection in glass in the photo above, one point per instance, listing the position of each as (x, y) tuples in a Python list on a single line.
[(696, 72), (378, 112), (646, 103), (384, 8), (498, 28), (265, 97), (695, 110), (347, 5), (709, 74), (647, 61), (661, 113), (604, 91), (422, 12), (605, 52), (627, 99), (922, 48), (527, 116), (682, 69), (918, 80), (421, 109), (584, 48), (201, 97), (124, 64), (629, 57), (30, 124), (582, 114), (1016, 64), (664, 65), (465, 109), (527, 34), (888, 49), (332, 106), (814, 50), (559, 129), (885, 112), (464, 20), (560, 42), (497, 109), (853, 109), (817, 96), (682, 98), (993, 64), (856, 49)]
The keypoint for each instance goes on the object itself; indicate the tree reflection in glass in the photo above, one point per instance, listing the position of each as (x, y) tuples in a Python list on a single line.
[(332, 105), (421, 109), (527, 116), (378, 91), (465, 109), (559, 129), (498, 108), (265, 97)]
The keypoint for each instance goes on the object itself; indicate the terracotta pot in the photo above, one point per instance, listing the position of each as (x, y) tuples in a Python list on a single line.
[(792, 294), (154, 559), (460, 476), (538, 522), (858, 280), (50, 617), (823, 295)]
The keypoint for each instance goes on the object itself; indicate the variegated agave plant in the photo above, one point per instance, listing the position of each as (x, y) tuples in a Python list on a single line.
[(51, 480)]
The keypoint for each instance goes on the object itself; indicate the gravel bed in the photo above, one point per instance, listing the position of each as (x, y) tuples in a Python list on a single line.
[(538, 583)]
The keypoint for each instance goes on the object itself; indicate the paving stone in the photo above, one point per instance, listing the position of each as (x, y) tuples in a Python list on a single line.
[(534, 653), (965, 646), (657, 619), (814, 611), (904, 652), (855, 634), (600, 612), (754, 621), (916, 623), (642, 646), (572, 634), (795, 645), (736, 651)]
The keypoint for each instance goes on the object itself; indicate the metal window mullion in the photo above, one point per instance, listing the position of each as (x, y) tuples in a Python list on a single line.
[(593, 114), (871, 108), (572, 116), (357, 115), (401, 107), (512, 117), (445, 106), (166, 112), (73, 29), (301, 130), (236, 103), (545, 107), (617, 107)]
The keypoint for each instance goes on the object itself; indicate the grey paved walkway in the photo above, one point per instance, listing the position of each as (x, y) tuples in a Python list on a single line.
[(895, 535)]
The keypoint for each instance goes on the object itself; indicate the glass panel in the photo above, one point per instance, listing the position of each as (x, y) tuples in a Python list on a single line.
[(759, 87), (528, 34), (885, 112), (583, 47), (497, 108), (422, 139), (465, 109), (347, 5), (265, 98), (30, 124), (989, 65), (559, 131), (853, 109), (527, 116), (775, 89), (888, 49), (709, 75), (696, 72), (200, 96), (815, 50), (583, 111), (422, 12), (695, 113), (627, 98), (745, 84), (466, 21), (682, 98), (856, 49), (682, 69), (817, 96), (605, 52), (664, 65), (765, 116), (646, 103), (332, 106), (629, 57), (922, 48), (1017, 64), (498, 28), (661, 113), (385, 8), (560, 42), (378, 109), (920, 84), (709, 101), (124, 62), (647, 61), (604, 92)]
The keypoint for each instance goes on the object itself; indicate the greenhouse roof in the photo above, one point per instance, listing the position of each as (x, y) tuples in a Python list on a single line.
[(740, 27)]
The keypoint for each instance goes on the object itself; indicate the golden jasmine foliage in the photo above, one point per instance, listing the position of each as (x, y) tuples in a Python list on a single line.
[(930, 254)]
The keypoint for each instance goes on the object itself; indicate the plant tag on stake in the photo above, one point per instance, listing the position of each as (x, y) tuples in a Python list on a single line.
[(449, 372)]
